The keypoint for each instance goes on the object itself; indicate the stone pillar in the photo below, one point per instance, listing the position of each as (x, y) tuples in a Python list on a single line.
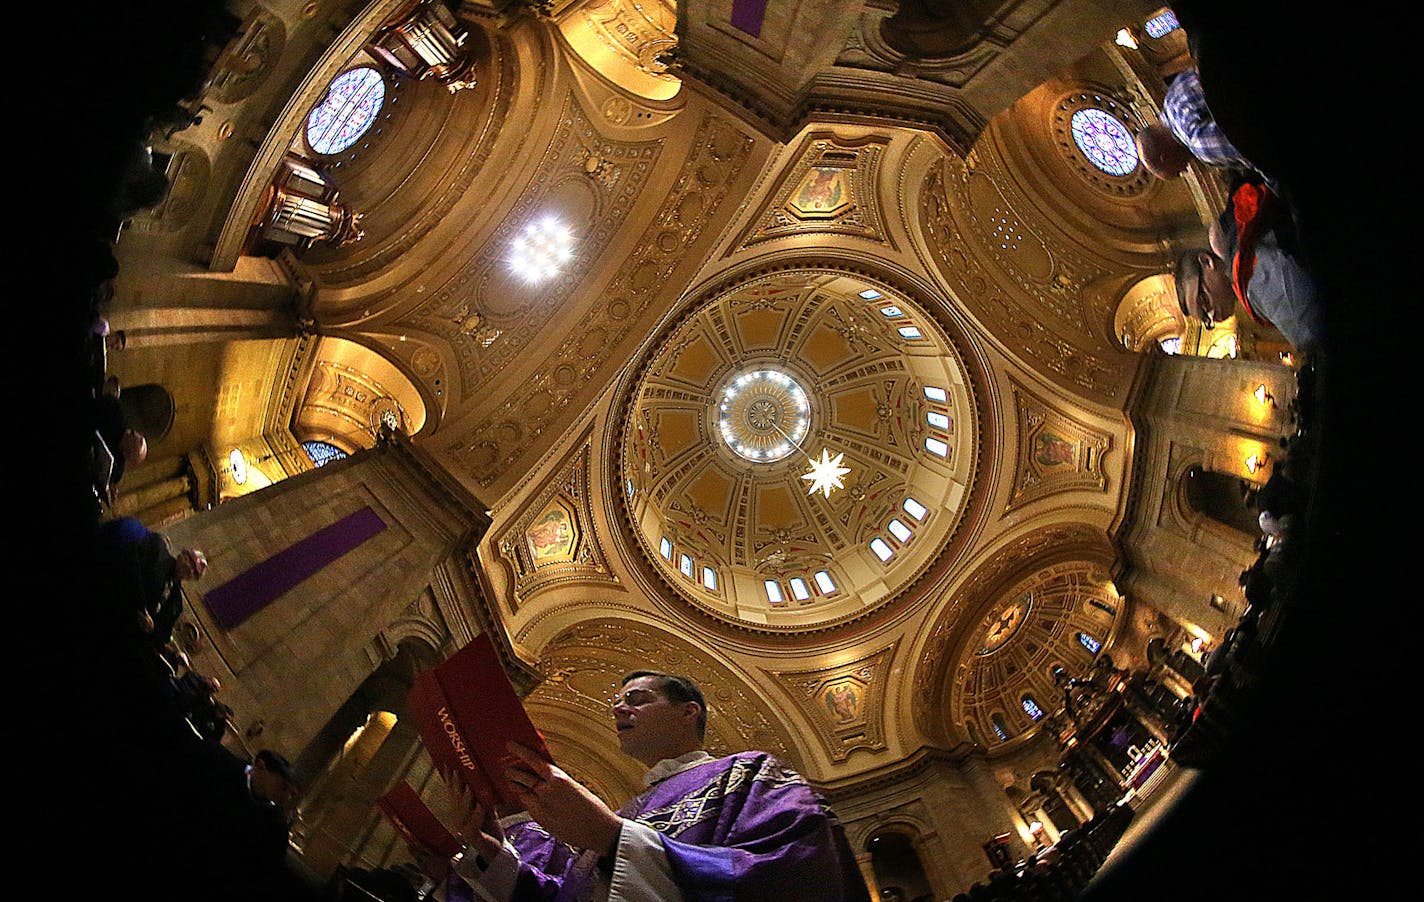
[(997, 804), (292, 659), (865, 861)]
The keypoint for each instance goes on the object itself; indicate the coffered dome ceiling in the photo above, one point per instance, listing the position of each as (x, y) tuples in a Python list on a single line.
[(732, 401)]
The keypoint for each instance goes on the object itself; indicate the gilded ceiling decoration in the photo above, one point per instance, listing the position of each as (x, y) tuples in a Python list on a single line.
[(845, 703), (1149, 313), (490, 448), (1054, 452), (983, 592), (1058, 617), (594, 201), (584, 665), (736, 534), (831, 188), (347, 406), (553, 542), (1050, 330), (627, 40)]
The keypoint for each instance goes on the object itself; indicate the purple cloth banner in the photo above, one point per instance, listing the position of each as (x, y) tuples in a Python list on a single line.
[(261, 584), (747, 15)]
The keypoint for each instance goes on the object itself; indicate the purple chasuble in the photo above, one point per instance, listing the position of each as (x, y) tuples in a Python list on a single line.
[(744, 827)]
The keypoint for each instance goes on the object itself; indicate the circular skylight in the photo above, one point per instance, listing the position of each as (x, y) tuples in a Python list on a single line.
[(347, 111), (1104, 140), (763, 415), (541, 250)]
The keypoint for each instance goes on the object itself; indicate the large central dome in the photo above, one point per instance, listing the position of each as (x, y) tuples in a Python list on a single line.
[(734, 401)]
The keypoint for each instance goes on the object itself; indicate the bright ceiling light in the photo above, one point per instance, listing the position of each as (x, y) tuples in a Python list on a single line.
[(826, 474), (541, 250)]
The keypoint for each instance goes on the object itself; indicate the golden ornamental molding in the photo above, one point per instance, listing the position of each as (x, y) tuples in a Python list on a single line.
[(493, 447), (845, 703), (552, 541), (831, 189), (1055, 452)]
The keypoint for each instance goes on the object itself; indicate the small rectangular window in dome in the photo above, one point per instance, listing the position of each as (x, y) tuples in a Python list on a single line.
[(870, 294), (773, 591), (914, 508), (909, 332), (936, 446), (665, 548), (824, 582), (799, 591), (881, 549), (938, 420), (935, 393), (891, 310), (709, 578), (685, 565), (900, 531)]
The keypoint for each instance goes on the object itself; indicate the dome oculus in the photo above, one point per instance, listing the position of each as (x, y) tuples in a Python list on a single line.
[(763, 415)]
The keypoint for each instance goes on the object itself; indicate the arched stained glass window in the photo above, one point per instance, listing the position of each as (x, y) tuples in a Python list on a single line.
[(322, 453), (347, 111), (1104, 140), (1031, 708), (1091, 644), (1163, 24)]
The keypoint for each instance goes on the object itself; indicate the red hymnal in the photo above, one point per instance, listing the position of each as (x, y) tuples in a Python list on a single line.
[(468, 712), (415, 822)]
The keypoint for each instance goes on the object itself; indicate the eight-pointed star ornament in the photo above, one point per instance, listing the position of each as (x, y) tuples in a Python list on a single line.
[(826, 474)]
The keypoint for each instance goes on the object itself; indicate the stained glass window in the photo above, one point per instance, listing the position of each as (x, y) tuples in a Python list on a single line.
[(322, 453), (1104, 140), (1000, 730), (390, 420), (347, 111), (1162, 24), (891, 310), (1171, 345), (1031, 708), (1089, 642)]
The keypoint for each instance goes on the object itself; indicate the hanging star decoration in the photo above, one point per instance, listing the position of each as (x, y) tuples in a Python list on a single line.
[(826, 474)]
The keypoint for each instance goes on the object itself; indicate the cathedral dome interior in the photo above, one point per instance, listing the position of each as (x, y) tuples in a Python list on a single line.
[(828, 353)]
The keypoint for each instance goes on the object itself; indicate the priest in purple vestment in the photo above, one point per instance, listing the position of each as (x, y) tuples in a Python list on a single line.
[(743, 827)]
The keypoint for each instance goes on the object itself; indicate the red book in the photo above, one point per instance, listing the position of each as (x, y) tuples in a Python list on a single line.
[(467, 712), (415, 822)]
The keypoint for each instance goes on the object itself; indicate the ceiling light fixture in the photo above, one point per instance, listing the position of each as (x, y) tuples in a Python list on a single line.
[(826, 474), (541, 250)]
